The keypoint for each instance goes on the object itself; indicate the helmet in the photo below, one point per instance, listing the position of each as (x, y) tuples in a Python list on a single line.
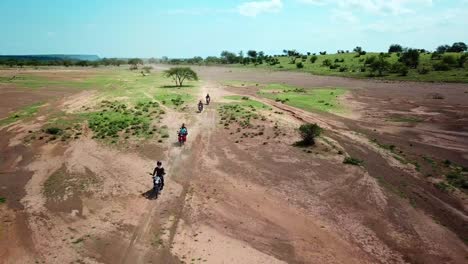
[(159, 163)]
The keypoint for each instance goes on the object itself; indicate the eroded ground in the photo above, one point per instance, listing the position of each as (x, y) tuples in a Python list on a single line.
[(238, 191)]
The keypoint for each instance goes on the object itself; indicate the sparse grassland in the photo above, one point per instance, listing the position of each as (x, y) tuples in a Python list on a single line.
[(115, 120), (316, 99), (242, 110), (25, 112), (349, 65)]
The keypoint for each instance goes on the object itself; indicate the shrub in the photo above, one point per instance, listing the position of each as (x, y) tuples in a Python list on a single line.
[(436, 56), (449, 59), (299, 65), (53, 130), (462, 60), (313, 59), (343, 69), (399, 68), (441, 66), (327, 63), (334, 66), (423, 70), (308, 134), (410, 57), (370, 60), (352, 161)]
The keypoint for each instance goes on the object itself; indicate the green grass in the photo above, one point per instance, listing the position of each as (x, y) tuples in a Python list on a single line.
[(354, 64), (242, 110), (316, 99), (25, 112), (115, 83), (116, 120), (2, 200)]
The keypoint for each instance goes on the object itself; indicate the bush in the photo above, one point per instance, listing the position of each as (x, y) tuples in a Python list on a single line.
[(462, 60), (299, 65), (53, 130), (449, 59), (334, 66), (423, 70), (410, 57), (352, 161), (313, 59), (308, 134), (327, 63), (343, 69), (399, 68), (441, 66)]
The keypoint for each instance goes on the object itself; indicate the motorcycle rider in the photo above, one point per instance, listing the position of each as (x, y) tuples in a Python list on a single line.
[(200, 105), (183, 132), (159, 172), (208, 99)]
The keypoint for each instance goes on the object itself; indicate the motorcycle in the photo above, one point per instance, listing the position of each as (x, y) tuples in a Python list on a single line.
[(200, 107), (208, 99), (182, 138), (157, 185)]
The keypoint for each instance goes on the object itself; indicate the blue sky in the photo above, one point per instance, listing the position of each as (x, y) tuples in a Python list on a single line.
[(186, 28)]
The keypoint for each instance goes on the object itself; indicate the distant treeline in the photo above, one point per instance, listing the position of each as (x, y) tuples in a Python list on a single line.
[(259, 57)]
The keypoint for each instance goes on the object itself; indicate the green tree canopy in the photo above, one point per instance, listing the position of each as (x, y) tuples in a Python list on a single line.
[(180, 74)]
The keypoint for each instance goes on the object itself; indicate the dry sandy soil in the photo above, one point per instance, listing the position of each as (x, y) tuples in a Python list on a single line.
[(233, 198)]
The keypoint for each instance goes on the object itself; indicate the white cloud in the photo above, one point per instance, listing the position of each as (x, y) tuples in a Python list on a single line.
[(255, 8), (340, 15), (379, 7)]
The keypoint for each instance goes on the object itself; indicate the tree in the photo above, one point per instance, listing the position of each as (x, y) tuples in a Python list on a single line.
[(252, 54), (395, 48), (180, 74), (134, 63), (152, 60), (308, 134), (358, 50), (458, 47), (410, 57), (443, 48), (379, 65), (229, 57)]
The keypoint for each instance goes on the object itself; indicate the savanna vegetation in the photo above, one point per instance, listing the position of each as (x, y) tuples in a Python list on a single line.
[(447, 63)]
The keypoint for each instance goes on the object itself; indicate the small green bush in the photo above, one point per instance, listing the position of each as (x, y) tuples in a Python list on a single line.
[(352, 161), (313, 59), (308, 134), (441, 66), (2, 200), (299, 65)]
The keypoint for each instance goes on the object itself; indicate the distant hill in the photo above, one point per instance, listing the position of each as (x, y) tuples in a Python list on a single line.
[(51, 57)]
